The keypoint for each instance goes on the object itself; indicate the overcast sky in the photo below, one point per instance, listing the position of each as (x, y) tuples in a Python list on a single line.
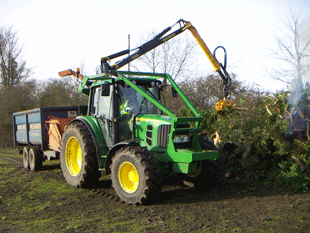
[(62, 34)]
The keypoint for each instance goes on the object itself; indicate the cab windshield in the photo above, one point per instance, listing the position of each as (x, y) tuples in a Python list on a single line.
[(134, 102)]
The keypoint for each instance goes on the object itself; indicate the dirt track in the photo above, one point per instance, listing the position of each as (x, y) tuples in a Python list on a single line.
[(43, 202)]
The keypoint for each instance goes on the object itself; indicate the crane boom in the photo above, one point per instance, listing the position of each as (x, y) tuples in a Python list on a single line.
[(162, 38)]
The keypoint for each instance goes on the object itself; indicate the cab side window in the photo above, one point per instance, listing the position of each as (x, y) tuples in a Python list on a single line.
[(101, 106)]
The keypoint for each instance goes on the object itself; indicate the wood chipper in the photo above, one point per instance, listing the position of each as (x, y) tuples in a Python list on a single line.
[(131, 135)]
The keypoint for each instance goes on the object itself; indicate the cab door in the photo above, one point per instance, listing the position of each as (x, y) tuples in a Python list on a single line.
[(102, 109)]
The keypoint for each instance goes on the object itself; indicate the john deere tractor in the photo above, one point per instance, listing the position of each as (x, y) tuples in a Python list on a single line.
[(130, 134)]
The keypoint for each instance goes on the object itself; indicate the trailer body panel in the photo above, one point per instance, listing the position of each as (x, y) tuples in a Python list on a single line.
[(30, 127)]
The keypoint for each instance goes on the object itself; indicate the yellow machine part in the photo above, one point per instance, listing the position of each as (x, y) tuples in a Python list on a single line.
[(223, 105)]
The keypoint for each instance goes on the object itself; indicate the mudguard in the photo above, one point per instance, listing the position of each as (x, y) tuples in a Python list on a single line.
[(115, 148), (96, 133)]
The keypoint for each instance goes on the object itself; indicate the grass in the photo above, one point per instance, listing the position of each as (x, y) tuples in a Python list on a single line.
[(33, 201), (6, 167), (12, 153)]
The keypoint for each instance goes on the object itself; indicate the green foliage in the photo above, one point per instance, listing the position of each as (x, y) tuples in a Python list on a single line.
[(295, 172), (260, 127)]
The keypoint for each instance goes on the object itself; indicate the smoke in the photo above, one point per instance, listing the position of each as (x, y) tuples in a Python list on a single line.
[(299, 112), (296, 93)]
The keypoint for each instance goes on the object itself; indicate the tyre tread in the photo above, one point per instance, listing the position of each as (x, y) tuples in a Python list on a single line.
[(152, 173), (90, 171)]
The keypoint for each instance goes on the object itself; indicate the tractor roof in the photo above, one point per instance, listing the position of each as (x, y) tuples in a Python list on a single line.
[(137, 80)]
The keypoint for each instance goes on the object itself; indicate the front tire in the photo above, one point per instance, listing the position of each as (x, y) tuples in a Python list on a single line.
[(78, 157), (207, 175), (136, 175)]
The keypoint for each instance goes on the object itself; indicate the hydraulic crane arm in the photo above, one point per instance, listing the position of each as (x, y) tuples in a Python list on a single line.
[(141, 50), (219, 68), (160, 39)]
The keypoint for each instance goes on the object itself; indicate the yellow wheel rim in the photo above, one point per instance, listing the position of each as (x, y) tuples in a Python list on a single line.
[(73, 156), (128, 177), (198, 171)]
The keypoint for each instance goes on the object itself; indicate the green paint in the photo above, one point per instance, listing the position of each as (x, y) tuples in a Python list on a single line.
[(93, 122), (184, 167)]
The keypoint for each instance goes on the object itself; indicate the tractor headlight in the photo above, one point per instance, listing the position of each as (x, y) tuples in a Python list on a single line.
[(181, 139)]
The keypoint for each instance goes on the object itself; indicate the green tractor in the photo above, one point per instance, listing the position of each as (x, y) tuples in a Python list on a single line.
[(132, 135)]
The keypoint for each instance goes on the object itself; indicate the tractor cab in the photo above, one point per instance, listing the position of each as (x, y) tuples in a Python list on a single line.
[(117, 108)]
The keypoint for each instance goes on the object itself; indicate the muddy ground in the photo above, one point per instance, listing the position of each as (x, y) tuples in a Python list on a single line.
[(43, 202)]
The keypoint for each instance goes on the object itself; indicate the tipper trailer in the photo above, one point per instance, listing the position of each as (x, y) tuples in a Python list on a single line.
[(39, 132)]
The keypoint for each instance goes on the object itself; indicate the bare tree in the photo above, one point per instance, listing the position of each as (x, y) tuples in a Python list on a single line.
[(60, 92), (12, 67), (17, 98), (205, 91), (293, 50), (175, 57)]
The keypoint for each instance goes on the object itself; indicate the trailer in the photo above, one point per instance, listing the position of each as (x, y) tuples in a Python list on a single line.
[(38, 131)]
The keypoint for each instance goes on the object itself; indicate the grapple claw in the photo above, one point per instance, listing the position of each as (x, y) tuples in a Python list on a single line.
[(224, 105)]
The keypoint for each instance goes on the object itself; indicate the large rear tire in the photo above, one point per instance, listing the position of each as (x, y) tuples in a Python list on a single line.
[(136, 175), (35, 159), (78, 157)]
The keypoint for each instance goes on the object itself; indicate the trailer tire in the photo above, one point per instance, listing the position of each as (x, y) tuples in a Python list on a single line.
[(78, 158), (35, 159), (26, 157), (136, 175)]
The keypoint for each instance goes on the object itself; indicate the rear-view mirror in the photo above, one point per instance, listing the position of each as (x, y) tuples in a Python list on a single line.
[(174, 92), (105, 89)]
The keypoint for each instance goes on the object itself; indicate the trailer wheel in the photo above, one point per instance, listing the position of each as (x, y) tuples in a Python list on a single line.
[(26, 157), (78, 157), (136, 175), (35, 159)]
